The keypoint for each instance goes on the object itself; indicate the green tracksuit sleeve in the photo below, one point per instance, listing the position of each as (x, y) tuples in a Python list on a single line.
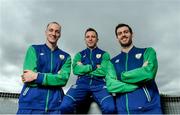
[(144, 73), (102, 70), (59, 79), (30, 60), (114, 85), (30, 63), (47, 79), (80, 69)]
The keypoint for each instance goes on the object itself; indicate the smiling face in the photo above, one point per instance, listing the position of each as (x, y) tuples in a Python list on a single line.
[(124, 36), (91, 39), (53, 33)]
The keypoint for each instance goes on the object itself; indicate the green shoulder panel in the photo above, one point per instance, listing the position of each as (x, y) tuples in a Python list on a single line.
[(80, 69), (30, 60), (61, 78), (30, 63), (144, 73), (102, 70)]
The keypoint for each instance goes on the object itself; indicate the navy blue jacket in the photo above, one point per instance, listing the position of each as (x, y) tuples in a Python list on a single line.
[(130, 70), (53, 68)]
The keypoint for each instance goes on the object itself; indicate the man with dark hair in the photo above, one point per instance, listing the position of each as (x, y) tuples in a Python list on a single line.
[(132, 76), (46, 70), (90, 66)]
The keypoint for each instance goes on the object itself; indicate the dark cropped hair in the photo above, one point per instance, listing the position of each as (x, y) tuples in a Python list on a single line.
[(91, 29), (122, 25)]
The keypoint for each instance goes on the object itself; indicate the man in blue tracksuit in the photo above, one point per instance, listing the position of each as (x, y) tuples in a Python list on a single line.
[(135, 68), (90, 66), (46, 71)]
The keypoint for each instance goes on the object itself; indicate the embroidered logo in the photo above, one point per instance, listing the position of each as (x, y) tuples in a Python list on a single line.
[(41, 54), (104, 87), (74, 86), (138, 56), (117, 61), (61, 57), (84, 55), (98, 56)]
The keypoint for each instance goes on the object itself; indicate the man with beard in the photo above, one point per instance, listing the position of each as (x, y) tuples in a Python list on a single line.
[(132, 76), (90, 66), (46, 70)]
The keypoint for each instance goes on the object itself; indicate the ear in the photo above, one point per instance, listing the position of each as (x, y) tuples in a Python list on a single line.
[(45, 32), (116, 37), (132, 35), (59, 35)]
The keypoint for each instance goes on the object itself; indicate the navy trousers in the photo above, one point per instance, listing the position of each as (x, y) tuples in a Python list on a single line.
[(88, 87)]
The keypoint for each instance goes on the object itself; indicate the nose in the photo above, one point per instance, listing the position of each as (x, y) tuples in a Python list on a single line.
[(90, 39), (53, 33), (123, 34)]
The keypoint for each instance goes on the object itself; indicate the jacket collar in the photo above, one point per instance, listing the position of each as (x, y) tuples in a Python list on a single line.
[(133, 47), (96, 48), (50, 49)]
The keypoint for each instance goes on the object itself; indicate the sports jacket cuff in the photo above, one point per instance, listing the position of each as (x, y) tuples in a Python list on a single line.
[(40, 78)]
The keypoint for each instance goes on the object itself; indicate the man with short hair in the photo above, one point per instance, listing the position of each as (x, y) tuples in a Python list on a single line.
[(46, 70), (132, 76), (90, 66)]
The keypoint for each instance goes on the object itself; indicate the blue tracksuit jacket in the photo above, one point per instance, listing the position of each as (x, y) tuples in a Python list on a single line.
[(53, 68), (90, 82), (129, 69)]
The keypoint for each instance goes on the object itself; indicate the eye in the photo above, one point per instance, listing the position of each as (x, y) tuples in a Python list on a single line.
[(51, 30), (87, 36), (58, 32), (93, 36), (119, 33), (126, 31)]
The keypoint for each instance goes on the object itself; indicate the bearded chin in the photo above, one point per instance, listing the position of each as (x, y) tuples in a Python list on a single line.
[(126, 45)]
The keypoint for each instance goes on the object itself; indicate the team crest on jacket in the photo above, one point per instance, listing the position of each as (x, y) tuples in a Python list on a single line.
[(98, 56), (41, 54), (84, 55), (61, 57), (117, 61), (138, 56)]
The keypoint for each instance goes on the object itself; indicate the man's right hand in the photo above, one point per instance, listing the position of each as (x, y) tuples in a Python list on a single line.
[(79, 63), (98, 66), (28, 76), (145, 63)]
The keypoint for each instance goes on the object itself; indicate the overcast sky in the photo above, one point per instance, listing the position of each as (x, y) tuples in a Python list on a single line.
[(156, 23)]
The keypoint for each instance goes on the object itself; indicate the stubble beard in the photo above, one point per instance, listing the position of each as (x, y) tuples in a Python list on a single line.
[(126, 45)]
